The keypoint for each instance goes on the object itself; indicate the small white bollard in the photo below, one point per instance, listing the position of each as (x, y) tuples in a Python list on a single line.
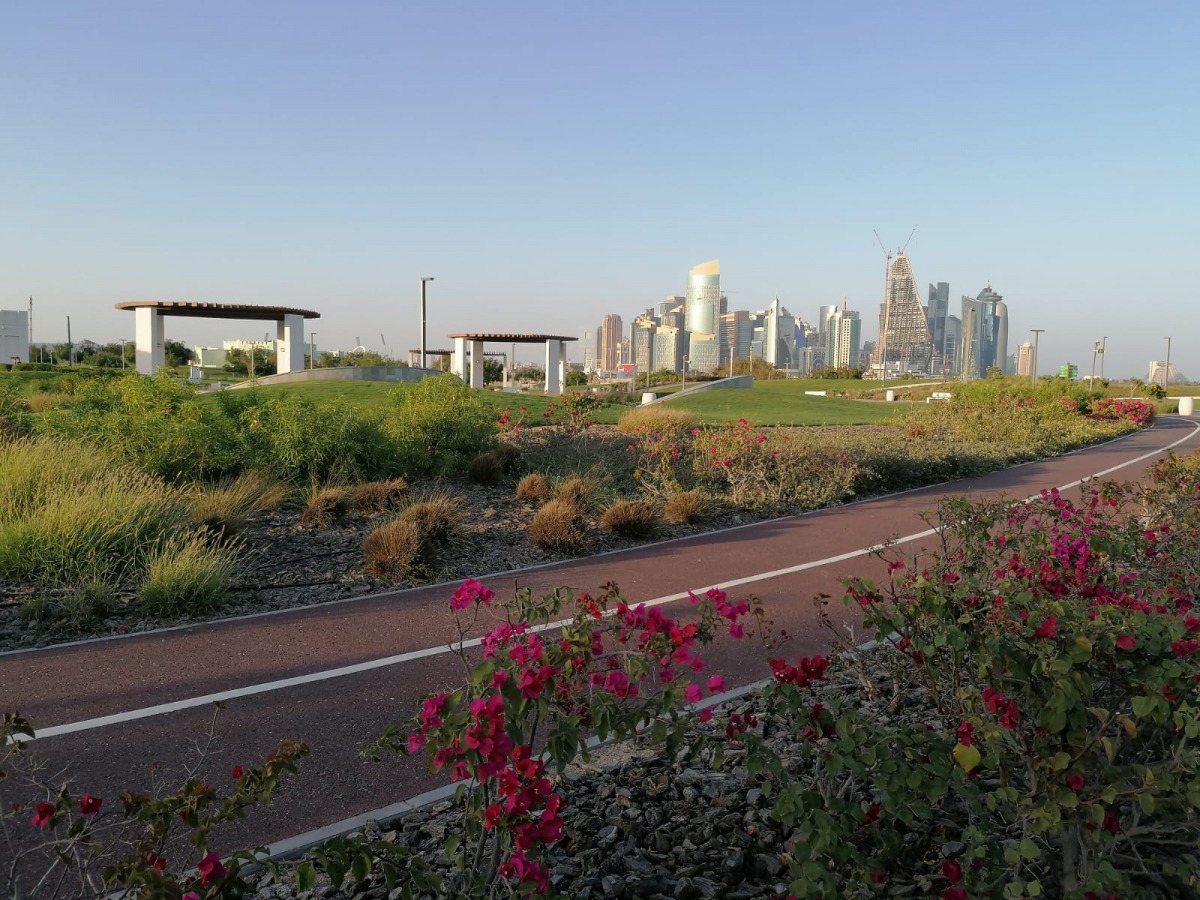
[(889, 396), (1187, 406), (649, 397)]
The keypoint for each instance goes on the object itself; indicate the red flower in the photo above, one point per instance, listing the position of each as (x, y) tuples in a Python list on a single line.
[(965, 731), (1075, 782), (952, 871), (1048, 628), (1185, 648), (872, 815), (1111, 822), (89, 805), (236, 773), (878, 877), (210, 869), (1126, 642), (954, 893), (41, 818)]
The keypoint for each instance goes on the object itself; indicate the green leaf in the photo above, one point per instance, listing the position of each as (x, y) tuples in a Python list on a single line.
[(1060, 761), (1147, 802), (967, 757), (1029, 850), (361, 867), (306, 876), (1144, 706)]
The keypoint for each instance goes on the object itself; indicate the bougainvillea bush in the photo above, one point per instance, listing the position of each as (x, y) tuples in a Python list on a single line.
[(1052, 649), (58, 840), (553, 672)]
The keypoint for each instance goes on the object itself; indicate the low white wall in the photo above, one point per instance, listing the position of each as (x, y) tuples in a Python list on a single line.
[(737, 382), (344, 373)]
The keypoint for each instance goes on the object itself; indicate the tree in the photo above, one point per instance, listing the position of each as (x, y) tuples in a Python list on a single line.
[(756, 366), (576, 378), (529, 373), (493, 371), (176, 354), (238, 362)]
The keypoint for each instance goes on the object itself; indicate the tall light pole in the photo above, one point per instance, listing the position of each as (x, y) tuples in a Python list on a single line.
[(683, 386), (122, 354), (312, 349), (1095, 353), (423, 280), (1103, 347), (1036, 334), (1167, 367)]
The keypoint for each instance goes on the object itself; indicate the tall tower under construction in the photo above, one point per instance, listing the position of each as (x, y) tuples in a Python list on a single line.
[(906, 344)]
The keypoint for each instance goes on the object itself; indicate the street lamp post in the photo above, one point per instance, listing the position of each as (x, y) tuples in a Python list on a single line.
[(1167, 367), (1103, 347), (1037, 332), (683, 386), (312, 350), (423, 280), (1095, 353), (122, 354)]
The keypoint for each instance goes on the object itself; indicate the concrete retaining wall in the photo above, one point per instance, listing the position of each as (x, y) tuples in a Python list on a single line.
[(344, 373), (737, 382)]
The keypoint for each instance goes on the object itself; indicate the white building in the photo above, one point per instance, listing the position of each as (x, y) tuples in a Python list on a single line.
[(14, 335)]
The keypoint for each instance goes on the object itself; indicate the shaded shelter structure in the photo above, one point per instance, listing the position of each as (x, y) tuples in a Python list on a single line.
[(149, 332), (467, 359)]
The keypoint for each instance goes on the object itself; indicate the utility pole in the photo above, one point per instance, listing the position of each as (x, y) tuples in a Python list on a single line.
[(424, 362), (312, 349), (1036, 334), (1167, 367), (1095, 353), (31, 325), (70, 346), (122, 354), (1103, 347)]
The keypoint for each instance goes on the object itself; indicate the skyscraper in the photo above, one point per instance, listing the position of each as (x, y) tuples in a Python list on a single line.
[(905, 343), (779, 336), (843, 332), (641, 334), (1025, 359), (984, 333), (704, 298), (939, 311), (611, 334)]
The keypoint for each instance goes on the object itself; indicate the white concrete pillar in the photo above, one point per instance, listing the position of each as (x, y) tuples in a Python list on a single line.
[(554, 368), (148, 335), (458, 359), (289, 344), (476, 363)]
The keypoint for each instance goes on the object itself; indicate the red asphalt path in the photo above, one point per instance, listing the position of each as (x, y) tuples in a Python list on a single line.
[(108, 709)]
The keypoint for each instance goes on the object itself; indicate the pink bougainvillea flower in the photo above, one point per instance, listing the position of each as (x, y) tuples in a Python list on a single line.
[(210, 869), (706, 715), (41, 815), (1048, 628), (965, 733), (1075, 782), (692, 693), (1126, 642), (190, 895), (954, 893), (471, 591), (89, 805), (1185, 648), (716, 684)]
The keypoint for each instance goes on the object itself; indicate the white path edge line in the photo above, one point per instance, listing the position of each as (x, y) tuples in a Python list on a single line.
[(514, 573), (369, 665)]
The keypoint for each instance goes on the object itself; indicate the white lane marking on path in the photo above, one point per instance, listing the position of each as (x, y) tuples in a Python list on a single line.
[(369, 665)]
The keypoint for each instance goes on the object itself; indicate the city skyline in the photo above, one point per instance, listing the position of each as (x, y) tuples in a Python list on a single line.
[(294, 154)]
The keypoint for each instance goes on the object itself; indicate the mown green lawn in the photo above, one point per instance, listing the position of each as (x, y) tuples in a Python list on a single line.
[(777, 402)]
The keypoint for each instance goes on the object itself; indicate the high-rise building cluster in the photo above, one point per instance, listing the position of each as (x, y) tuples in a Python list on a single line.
[(697, 332)]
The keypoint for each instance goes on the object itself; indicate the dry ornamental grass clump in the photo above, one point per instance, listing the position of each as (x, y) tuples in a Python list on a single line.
[(409, 544), (631, 519), (658, 418), (684, 508), (487, 468), (393, 549), (225, 508), (558, 526), (534, 488), (378, 496), (573, 492), (325, 507)]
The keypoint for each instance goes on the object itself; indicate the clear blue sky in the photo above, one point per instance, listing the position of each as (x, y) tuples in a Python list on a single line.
[(552, 162)]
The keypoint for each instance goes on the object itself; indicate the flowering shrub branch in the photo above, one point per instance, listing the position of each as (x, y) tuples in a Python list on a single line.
[(555, 671)]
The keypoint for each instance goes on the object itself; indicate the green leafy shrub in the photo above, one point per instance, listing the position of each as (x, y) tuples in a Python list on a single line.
[(440, 425), (559, 526), (1055, 651), (631, 519), (185, 577), (534, 488)]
